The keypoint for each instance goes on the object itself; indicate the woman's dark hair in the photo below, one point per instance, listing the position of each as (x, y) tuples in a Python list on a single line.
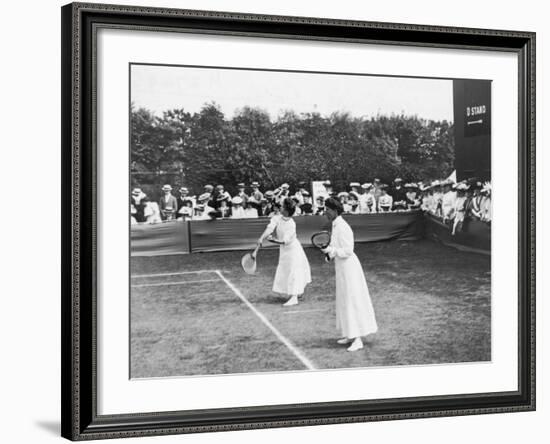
[(335, 205), (290, 206)]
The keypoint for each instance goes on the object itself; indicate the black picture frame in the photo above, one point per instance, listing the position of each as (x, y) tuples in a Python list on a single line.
[(80, 420)]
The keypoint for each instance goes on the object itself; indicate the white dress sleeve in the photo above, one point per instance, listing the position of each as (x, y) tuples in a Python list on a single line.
[(273, 222), (341, 243)]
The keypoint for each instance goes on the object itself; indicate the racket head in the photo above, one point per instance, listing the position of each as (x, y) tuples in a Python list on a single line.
[(321, 239), (248, 262)]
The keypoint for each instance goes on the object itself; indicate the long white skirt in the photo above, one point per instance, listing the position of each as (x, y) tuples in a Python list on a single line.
[(293, 271), (354, 311)]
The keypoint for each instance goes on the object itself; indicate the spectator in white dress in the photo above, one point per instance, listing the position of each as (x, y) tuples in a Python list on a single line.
[(459, 210), (355, 316), (293, 271), (385, 201), (237, 210), (448, 202)]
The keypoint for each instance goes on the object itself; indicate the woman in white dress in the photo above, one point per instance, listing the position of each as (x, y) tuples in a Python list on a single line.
[(293, 271), (354, 311)]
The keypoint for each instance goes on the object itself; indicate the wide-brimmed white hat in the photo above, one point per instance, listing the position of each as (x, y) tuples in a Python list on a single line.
[(366, 186), (355, 184), (182, 189), (255, 184), (203, 197), (285, 186), (343, 194), (166, 188), (237, 200), (208, 187)]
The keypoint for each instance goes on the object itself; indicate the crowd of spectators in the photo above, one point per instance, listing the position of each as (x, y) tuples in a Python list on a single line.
[(450, 201)]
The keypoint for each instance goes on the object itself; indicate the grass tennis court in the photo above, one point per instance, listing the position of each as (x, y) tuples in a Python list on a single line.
[(200, 314)]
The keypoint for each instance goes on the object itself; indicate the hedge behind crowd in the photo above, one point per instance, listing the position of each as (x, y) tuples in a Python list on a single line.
[(181, 148)]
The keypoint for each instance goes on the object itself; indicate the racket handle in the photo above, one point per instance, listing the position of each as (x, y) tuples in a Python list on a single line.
[(255, 251)]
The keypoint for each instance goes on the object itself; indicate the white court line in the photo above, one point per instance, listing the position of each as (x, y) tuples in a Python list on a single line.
[(161, 284), (172, 274), (303, 311), (309, 365)]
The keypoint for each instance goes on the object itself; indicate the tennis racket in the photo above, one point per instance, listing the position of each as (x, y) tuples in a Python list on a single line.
[(248, 261), (321, 240)]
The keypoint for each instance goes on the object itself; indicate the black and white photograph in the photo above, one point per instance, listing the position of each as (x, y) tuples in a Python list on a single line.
[(301, 221)]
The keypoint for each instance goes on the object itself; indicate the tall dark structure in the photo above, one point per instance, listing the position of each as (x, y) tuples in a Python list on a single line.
[(472, 125)]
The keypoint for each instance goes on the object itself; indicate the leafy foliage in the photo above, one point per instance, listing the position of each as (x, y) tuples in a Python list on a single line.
[(206, 147)]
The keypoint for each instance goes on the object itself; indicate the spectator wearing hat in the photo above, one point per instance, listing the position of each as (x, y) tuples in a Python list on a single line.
[(186, 204), (438, 198), (203, 208), (241, 192), (411, 196), (473, 207), (168, 204), (138, 200), (354, 189), (399, 195), (307, 206), (256, 196), (237, 209), (320, 206), (282, 193), (367, 200), (267, 208), (363, 196), (385, 201), (220, 197), (448, 201), (343, 197), (459, 206)]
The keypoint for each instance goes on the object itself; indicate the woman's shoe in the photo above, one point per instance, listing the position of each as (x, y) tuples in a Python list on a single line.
[(343, 341), (356, 345), (292, 301)]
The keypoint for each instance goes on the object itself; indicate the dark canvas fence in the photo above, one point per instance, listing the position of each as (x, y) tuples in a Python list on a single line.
[(241, 234)]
